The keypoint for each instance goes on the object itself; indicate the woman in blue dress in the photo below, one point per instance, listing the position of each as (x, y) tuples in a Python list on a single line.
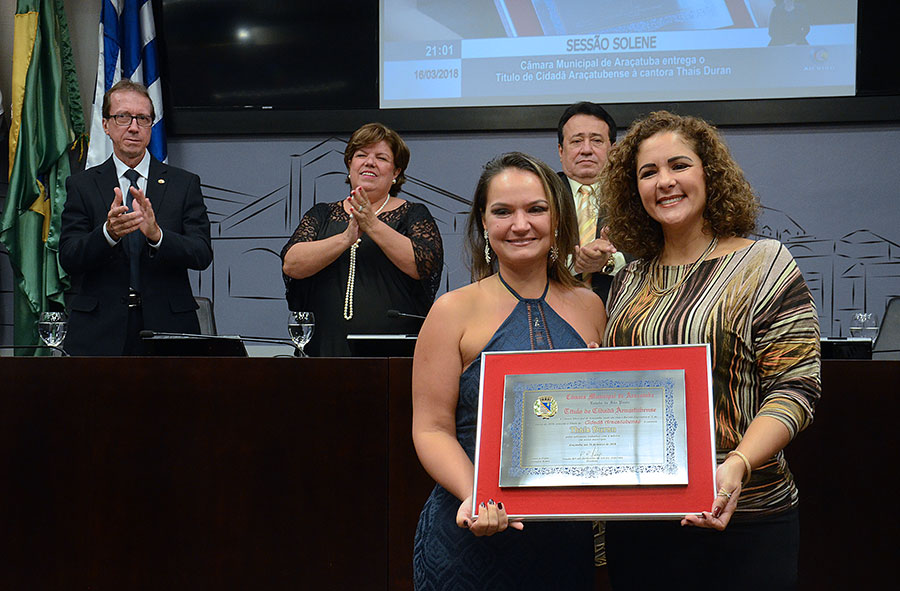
[(521, 230)]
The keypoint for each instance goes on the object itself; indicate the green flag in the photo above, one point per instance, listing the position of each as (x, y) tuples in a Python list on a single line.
[(47, 130)]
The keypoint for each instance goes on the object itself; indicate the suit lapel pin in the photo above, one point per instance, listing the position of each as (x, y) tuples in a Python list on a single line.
[(161, 181)]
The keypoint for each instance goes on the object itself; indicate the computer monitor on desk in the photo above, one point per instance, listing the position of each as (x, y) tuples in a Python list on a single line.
[(846, 348), (887, 345), (382, 345), (187, 345)]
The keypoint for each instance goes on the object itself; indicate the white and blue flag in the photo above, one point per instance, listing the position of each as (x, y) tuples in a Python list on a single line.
[(127, 50)]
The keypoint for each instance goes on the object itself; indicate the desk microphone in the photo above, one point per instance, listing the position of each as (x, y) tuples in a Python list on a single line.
[(399, 314), (152, 334)]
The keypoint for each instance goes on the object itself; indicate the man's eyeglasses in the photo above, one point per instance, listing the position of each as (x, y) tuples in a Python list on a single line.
[(124, 119)]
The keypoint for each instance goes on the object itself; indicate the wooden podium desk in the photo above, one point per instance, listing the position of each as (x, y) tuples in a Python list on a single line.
[(215, 473)]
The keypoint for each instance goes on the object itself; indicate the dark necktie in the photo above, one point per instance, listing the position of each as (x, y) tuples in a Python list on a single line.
[(132, 243)]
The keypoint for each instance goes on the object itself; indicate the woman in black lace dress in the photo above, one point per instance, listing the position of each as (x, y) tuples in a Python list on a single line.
[(351, 261)]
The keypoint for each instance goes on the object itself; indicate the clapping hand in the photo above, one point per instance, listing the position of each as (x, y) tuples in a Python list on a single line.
[(119, 221), (362, 209), (592, 257), (142, 206)]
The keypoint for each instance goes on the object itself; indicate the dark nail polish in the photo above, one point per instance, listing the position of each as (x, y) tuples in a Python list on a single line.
[(490, 501), (500, 506), (482, 505), (716, 512), (466, 522)]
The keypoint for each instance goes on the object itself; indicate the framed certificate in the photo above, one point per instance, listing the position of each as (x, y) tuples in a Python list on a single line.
[(620, 433)]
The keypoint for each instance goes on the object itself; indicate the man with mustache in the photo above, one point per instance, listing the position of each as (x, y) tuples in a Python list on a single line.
[(585, 133)]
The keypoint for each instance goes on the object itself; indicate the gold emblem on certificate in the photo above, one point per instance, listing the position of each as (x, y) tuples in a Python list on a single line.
[(594, 429), (545, 406)]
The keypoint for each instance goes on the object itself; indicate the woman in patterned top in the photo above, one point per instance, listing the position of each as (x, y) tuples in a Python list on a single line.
[(676, 199)]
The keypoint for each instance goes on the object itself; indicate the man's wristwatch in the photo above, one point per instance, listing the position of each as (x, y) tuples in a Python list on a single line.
[(609, 267)]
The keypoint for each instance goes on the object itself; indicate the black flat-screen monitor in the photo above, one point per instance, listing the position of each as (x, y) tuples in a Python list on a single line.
[(837, 348), (268, 66), (194, 346), (382, 345)]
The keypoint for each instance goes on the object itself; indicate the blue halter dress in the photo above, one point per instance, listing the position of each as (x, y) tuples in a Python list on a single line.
[(545, 555)]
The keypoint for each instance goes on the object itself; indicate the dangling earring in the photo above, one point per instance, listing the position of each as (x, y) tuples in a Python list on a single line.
[(487, 248), (554, 250)]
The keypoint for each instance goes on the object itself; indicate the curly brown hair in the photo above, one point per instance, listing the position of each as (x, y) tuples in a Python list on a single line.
[(372, 133), (562, 210), (731, 206)]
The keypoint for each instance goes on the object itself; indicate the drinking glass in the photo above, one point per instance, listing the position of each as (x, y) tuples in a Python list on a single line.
[(300, 327), (52, 328), (864, 325)]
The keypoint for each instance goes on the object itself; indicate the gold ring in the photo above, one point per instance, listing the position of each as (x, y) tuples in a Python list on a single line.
[(723, 493)]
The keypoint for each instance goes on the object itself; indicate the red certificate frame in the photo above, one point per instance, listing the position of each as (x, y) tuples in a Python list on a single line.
[(599, 502)]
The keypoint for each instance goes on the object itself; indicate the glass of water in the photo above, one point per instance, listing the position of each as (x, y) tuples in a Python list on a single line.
[(300, 327), (864, 325), (52, 328)]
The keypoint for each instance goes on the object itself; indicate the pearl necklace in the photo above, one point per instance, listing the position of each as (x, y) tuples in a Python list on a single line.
[(657, 270), (351, 275)]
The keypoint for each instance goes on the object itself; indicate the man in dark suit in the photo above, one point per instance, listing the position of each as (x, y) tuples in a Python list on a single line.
[(585, 133), (131, 229)]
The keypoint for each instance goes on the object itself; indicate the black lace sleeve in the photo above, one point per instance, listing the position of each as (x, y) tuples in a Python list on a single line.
[(427, 247), (296, 290), (308, 228)]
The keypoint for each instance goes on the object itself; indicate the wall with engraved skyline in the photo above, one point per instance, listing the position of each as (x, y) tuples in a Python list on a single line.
[(829, 193)]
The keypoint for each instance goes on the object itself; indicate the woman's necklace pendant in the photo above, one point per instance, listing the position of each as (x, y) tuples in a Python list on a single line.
[(657, 271)]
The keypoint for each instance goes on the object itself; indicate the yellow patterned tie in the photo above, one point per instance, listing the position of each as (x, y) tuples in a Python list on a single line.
[(587, 215), (587, 220)]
